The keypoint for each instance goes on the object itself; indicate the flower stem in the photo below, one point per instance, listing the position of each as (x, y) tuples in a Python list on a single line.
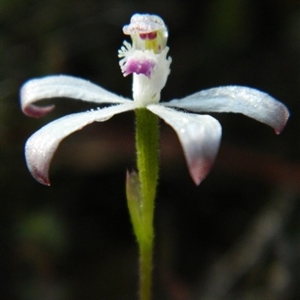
[(141, 193)]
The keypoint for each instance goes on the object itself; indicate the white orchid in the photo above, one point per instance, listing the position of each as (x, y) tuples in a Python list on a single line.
[(147, 60)]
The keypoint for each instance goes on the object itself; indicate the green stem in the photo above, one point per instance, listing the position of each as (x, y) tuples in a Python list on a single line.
[(145, 270), (147, 163)]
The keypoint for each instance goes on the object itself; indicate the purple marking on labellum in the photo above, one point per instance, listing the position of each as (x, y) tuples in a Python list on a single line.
[(144, 67)]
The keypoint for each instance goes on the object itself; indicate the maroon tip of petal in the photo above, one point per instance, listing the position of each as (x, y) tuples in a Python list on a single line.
[(40, 177), (36, 111), (278, 131), (284, 115), (200, 169)]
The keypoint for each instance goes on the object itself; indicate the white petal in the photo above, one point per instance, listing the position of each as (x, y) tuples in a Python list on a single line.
[(199, 135), (41, 146), (62, 86), (237, 99)]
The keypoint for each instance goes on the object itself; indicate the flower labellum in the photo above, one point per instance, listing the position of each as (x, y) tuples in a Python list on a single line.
[(146, 59)]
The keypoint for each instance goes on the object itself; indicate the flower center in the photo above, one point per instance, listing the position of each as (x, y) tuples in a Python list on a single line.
[(146, 58)]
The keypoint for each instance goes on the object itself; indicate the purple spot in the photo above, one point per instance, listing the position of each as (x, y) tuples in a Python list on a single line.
[(144, 67), (152, 35), (143, 36), (148, 36)]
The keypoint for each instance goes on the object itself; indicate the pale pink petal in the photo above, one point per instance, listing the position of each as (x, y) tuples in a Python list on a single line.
[(199, 135), (41, 146), (237, 99), (62, 86)]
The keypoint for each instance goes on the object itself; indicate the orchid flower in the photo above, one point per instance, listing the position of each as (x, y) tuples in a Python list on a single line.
[(147, 60)]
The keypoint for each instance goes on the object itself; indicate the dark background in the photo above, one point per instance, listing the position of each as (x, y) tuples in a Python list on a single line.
[(236, 236)]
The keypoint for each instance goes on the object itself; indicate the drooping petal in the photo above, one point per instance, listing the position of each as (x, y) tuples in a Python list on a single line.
[(41, 146), (199, 135), (62, 86), (237, 99)]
